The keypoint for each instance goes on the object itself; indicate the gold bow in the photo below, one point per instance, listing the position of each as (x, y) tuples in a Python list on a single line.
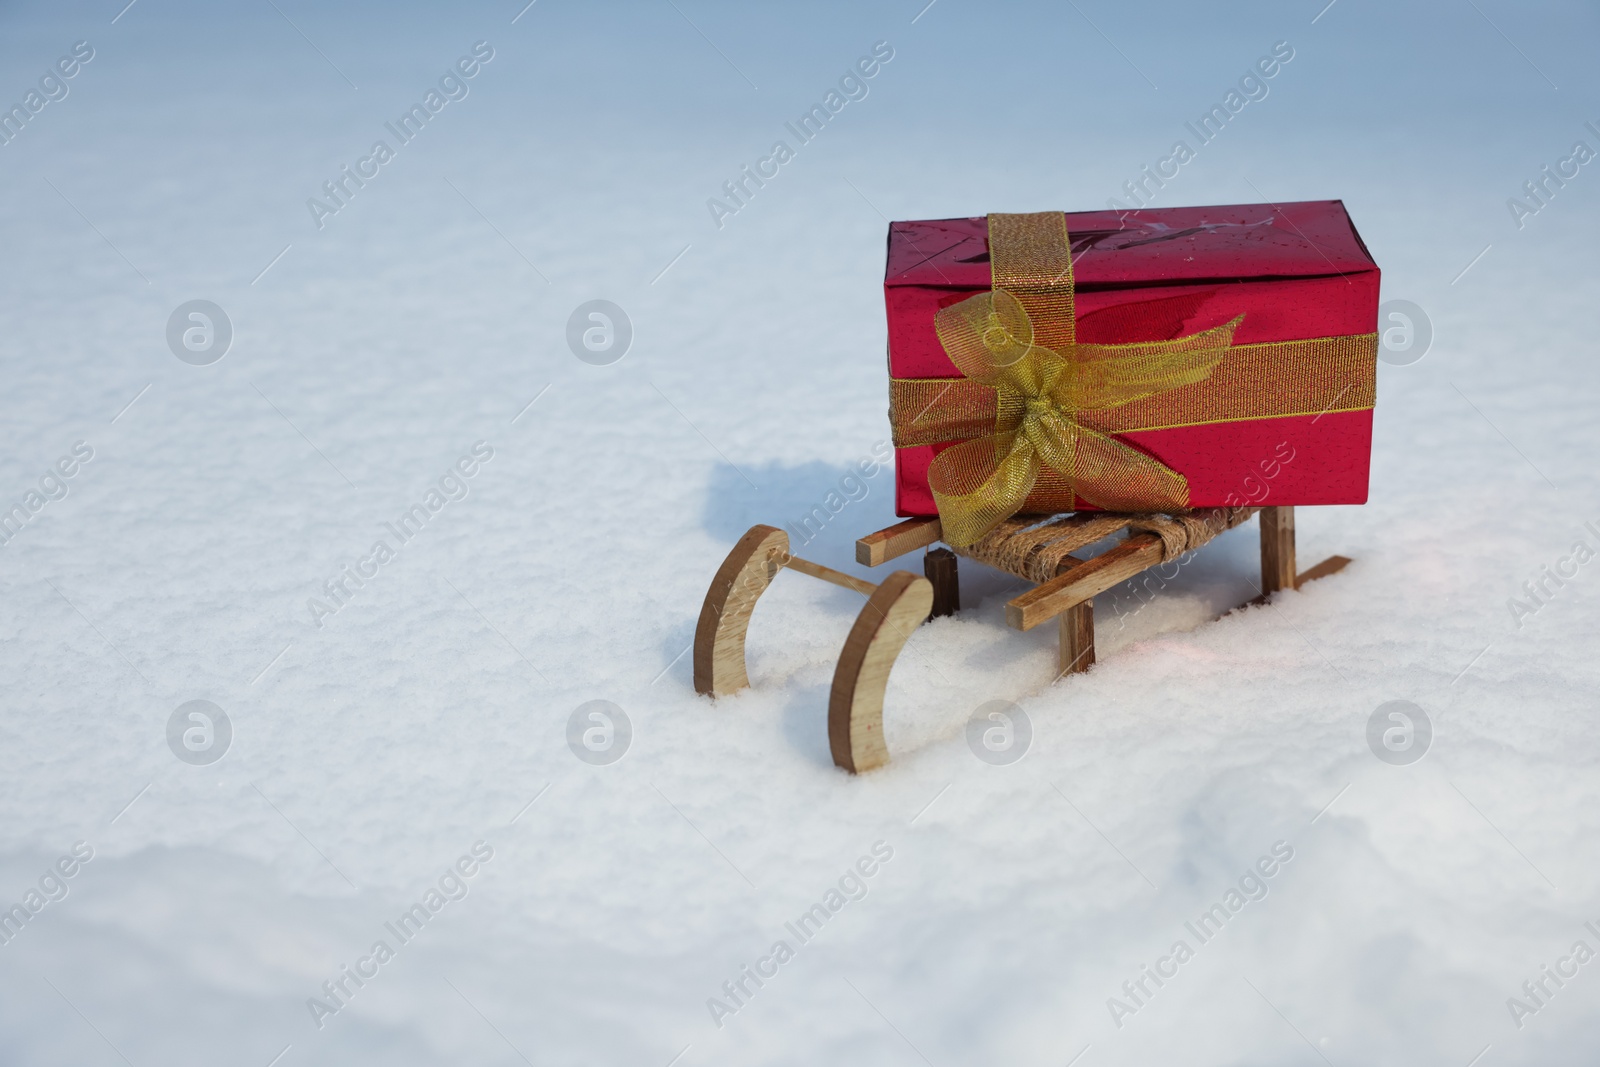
[(1019, 339)]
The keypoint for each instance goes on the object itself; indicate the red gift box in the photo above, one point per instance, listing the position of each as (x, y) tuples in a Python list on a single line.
[(1293, 271)]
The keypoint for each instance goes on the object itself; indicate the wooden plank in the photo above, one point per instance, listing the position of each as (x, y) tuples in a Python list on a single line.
[(855, 703), (725, 614), (897, 540), (828, 574), (1077, 639), (939, 565), (1331, 565), (1277, 549), (1080, 583)]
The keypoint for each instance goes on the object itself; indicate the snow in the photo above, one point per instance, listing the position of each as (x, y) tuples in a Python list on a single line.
[(428, 716)]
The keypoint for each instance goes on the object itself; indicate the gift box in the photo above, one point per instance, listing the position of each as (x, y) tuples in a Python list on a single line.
[(1150, 360)]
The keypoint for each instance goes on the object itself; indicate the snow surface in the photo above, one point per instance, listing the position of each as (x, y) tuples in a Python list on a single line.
[(370, 753)]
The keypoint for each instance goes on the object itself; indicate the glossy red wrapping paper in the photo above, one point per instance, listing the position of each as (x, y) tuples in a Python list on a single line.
[(1295, 271)]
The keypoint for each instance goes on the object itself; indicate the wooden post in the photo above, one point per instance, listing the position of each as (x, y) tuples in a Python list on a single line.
[(940, 567), (1277, 549), (1077, 639)]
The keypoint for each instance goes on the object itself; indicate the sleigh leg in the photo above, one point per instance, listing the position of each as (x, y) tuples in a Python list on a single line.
[(1277, 549), (1077, 639), (940, 567)]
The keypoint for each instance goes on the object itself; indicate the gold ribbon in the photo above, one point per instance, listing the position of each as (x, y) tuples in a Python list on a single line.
[(1034, 413)]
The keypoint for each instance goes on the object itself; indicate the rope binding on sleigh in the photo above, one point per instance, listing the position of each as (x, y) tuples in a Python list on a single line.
[(1032, 547)]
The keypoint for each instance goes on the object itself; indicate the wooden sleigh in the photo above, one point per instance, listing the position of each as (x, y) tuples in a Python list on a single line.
[(1036, 549)]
